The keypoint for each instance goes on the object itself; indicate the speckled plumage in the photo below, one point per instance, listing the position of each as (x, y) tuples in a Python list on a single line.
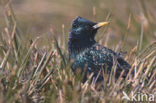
[(88, 55)]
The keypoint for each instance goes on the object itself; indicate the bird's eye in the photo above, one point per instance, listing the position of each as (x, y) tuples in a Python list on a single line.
[(74, 25), (87, 27)]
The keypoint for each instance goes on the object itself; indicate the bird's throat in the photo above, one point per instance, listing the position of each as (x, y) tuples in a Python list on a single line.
[(76, 47)]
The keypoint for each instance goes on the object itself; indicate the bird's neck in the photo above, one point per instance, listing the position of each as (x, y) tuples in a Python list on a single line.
[(75, 48)]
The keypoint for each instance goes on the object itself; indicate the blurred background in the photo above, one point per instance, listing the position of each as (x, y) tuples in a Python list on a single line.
[(129, 19)]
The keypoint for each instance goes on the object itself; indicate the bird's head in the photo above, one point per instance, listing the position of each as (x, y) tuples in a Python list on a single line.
[(82, 32), (83, 29)]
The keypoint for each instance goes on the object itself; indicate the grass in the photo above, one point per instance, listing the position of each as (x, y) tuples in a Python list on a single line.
[(29, 73)]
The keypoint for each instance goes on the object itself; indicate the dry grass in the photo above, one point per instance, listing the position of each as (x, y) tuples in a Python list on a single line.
[(29, 73)]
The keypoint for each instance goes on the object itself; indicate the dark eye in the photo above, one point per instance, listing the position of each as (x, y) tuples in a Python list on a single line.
[(75, 25), (87, 27)]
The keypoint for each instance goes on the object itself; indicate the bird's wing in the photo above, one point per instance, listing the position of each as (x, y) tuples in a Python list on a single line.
[(111, 57), (95, 58), (98, 57)]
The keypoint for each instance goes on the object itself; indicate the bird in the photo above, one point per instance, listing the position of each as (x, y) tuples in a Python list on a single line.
[(89, 56)]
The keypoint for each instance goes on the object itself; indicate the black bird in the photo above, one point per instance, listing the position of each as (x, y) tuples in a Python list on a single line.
[(88, 55)]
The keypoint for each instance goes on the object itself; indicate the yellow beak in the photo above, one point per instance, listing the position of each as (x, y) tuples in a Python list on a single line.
[(98, 25)]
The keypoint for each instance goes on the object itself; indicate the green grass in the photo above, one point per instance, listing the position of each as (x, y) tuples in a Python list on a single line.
[(33, 73)]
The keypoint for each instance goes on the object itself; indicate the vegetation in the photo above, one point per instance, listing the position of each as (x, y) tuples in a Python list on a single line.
[(33, 72)]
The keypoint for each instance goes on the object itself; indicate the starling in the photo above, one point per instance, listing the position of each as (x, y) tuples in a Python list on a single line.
[(88, 55)]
